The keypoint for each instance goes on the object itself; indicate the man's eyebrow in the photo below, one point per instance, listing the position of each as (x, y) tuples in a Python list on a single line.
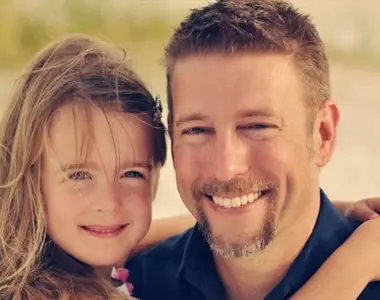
[(256, 113), (242, 114), (190, 118)]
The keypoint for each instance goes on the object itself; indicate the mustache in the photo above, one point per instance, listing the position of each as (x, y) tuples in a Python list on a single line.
[(234, 186)]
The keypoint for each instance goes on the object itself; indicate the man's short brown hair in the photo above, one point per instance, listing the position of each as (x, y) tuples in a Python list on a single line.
[(257, 26)]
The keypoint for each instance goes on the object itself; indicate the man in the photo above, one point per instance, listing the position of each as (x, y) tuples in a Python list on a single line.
[(252, 123)]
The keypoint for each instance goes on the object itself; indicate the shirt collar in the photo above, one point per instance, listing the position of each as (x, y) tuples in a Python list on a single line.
[(198, 267), (330, 231)]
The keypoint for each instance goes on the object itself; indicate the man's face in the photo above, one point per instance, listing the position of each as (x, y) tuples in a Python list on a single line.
[(246, 153)]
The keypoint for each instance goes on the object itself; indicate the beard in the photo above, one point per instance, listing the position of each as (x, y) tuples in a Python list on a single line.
[(245, 244)]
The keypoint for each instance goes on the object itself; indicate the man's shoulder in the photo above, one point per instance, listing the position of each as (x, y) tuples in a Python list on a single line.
[(169, 249), (372, 291), (155, 270), (332, 228)]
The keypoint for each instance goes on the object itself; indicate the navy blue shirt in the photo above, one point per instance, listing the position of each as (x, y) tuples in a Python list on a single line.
[(182, 267)]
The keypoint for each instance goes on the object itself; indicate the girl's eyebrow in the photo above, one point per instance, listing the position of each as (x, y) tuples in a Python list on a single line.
[(137, 164), (76, 166), (92, 165)]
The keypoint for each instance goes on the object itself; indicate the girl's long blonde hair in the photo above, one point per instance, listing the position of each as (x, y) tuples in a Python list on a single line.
[(77, 68)]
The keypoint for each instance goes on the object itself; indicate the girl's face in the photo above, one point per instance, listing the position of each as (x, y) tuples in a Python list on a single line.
[(98, 183)]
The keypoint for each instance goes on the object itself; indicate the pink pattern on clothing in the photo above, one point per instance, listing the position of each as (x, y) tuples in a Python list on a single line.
[(122, 275)]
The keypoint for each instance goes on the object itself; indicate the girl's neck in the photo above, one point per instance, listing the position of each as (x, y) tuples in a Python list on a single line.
[(104, 272)]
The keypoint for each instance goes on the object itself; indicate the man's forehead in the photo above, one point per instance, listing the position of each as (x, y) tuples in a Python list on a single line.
[(233, 73), (273, 62), (254, 84)]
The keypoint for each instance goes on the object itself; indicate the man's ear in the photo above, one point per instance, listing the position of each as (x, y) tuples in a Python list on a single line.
[(326, 122), (171, 134)]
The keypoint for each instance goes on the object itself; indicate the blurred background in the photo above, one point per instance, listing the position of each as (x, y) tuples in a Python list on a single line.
[(350, 29)]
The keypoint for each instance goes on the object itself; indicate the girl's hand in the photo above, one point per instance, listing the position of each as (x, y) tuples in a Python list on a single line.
[(362, 210)]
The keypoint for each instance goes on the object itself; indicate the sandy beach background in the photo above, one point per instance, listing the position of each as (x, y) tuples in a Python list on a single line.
[(350, 29)]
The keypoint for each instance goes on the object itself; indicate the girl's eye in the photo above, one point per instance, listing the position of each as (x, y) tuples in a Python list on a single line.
[(79, 175), (133, 174)]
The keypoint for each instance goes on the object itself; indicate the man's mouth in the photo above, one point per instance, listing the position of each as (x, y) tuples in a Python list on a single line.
[(237, 201)]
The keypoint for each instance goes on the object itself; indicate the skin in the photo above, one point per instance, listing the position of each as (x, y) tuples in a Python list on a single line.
[(163, 228), (114, 185), (340, 276), (235, 133), (349, 269), (62, 191), (62, 195)]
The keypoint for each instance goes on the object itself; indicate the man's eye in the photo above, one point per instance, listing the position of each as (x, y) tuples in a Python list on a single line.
[(133, 174), (194, 131), (258, 126), (79, 175)]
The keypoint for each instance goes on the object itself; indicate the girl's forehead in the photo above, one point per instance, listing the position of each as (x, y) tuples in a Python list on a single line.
[(76, 133)]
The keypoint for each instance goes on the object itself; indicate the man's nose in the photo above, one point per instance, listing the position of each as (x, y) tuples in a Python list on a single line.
[(230, 156)]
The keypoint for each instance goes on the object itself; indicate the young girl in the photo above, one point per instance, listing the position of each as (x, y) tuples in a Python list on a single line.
[(82, 146)]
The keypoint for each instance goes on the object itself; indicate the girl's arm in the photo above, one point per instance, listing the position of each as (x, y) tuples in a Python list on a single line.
[(164, 228), (349, 269), (362, 210)]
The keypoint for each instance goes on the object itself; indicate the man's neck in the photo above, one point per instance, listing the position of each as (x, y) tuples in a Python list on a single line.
[(255, 277)]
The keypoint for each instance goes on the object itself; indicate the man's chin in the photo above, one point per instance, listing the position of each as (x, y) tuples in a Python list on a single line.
[(238, 248), (234, 246), (226, 240)]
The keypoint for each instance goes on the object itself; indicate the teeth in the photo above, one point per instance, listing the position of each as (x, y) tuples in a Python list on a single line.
[(251, 197), (244, 200), (103, 230), (237, 201), (227, 203)]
